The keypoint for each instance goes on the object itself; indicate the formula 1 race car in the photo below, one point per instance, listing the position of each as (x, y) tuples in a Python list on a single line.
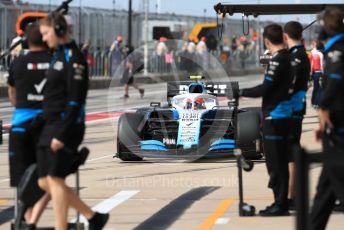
[(193, 125)]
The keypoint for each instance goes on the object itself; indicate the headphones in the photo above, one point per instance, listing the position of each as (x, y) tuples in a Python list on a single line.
[(321, 21), (59, 24)]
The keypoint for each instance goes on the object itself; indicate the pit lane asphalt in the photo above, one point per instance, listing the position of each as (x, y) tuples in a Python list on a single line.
[(162, 195)]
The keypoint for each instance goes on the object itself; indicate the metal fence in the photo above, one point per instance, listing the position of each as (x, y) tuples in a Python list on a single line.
[(101, 26), (100, 62)]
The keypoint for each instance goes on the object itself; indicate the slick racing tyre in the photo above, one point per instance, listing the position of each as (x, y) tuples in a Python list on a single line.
[(248, 133), (128, 136)]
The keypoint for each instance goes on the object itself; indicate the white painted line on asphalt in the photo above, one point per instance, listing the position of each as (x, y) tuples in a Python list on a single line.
[(114, 111), (91, 160), (99, 158), (222, 221), (5, 180), (107, 205), (101, 120)]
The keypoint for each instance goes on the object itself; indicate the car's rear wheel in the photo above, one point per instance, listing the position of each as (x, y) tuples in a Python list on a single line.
[(128, 135), (248, 133)]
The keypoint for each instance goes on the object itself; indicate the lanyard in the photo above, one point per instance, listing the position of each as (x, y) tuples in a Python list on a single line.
[(333, 40)]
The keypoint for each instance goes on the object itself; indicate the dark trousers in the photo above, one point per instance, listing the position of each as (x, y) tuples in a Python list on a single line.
[(22, 150), (296, 129), (317, 89), (275, 144), (295, 134), (330, 188)]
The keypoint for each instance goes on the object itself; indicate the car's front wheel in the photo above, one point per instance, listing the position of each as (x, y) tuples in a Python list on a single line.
[(248, 133), (128, 136)]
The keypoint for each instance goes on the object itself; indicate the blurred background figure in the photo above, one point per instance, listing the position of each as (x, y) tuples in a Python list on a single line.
[(19, 48), (191, 48), (316, 58), (182, 54), (132, 65), (191, 56), (86, 51), (201, 46), (117, 54), (234, 44), (225, 53), (161, 51), (86, 47), (70, 23), (202, 52), (243, 52)]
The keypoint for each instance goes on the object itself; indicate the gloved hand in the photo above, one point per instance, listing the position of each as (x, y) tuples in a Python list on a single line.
[(237, 93), (241, 93)]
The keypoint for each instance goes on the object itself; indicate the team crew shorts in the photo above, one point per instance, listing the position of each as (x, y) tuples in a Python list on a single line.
[(22, 150), (58, 164)]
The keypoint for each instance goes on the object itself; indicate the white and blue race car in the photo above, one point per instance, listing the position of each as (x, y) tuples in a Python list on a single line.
[(192, 126)]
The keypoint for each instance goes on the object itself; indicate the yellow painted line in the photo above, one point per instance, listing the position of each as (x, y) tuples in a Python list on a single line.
[(221, 209), (3, 201), (258, 198)]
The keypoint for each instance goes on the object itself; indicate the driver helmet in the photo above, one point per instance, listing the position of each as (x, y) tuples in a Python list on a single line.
[(187, 103), (199, 103)]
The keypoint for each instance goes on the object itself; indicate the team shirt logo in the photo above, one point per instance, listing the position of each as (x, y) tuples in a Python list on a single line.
[(40, 86), (79, 70), (38, 66), (335, 56), (58, 66)]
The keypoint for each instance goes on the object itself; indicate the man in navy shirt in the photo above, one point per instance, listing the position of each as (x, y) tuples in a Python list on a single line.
[(301, 73), (276, 117), (331, 115), (27, 78)]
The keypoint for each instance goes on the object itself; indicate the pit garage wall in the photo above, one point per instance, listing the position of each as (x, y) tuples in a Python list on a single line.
[(102, 26)]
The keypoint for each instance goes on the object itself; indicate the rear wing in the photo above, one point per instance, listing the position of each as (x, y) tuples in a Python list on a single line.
[(218, 89)]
